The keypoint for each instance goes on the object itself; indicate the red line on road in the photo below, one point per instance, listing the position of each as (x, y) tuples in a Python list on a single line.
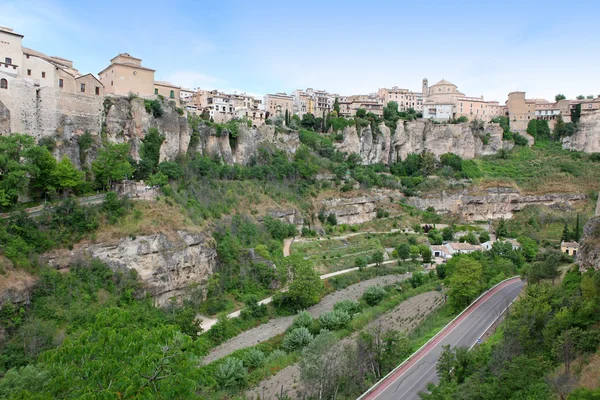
[(392, 378)]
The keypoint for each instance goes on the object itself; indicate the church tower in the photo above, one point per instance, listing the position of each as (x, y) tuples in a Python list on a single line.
[(425, 88)]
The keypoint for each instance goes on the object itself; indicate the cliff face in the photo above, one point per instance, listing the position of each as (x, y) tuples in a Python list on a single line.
[(417, 136), (587, 136), (495, 203), (245, 146), (166, 266), (358, 210), (128, 121), (589, 246)]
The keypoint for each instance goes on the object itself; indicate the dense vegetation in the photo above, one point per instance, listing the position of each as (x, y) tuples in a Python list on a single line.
[(538, 353)]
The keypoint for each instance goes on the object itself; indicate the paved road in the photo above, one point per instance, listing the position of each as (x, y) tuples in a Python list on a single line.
[(413, 376)]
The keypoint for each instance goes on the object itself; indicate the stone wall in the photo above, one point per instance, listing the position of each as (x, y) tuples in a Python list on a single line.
[(587, 136), (493, 203)]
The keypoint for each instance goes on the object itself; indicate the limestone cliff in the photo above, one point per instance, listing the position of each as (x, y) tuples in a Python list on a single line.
[(166, 265), (493, 203), (589, 246), (587, 136), (241, 149), (127, 120), (358, 210), (467, 140)]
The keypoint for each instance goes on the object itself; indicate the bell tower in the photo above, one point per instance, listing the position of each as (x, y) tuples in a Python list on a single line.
[(425, 88)]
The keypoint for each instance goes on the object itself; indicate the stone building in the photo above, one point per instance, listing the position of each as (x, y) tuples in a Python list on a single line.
[(371, 103), (168, 91), (277, 104), (126, 75), (405, 98), (45, 95), (521, 110)]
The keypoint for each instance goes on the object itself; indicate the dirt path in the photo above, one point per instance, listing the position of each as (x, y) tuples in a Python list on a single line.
[(287, 243), (279, 325), (405, 317)]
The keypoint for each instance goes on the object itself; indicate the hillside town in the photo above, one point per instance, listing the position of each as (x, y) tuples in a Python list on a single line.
[(27, 75)]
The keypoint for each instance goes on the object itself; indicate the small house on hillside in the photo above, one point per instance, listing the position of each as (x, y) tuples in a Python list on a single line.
[(462, 248), (570, 248), (439, 251), (488, 245)]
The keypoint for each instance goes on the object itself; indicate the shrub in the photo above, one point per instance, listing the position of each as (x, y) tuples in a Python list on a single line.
[(302, 320), (374, 294), (231, 373), (334, 320), (348, 306), (254, 358), (484, 237), (297, 339), (276, 354)]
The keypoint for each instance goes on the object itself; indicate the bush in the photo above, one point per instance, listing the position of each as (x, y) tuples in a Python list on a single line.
[(374, 294), (254, 358), (276, 354), (334, 320), (297, 339), (302, 320), (231, 373), (171, 169), (348, 306), (484, 237)]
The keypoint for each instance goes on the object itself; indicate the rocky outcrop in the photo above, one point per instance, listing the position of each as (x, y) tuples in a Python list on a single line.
[(358, 210), (587, 136), (289, 216), (588, 255), (219, 143), (128, 121), (166, 265), (16, 287), (493, 203), (467, 140)]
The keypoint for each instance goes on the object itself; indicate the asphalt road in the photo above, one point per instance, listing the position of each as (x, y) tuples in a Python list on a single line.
[(413, 377)]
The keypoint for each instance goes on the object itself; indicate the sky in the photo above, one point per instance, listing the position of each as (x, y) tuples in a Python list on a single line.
[(485, 47)]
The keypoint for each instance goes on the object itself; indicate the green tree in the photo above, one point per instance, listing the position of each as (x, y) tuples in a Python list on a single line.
[(150, 152), (336, 107), (231, 373), (580, 97), (484, 237), (42, 168), (112, 165), (426, 254), (360, 263), (566, 235), (403, 251), (67, 177), (308, 121), (377, 258), (465, 283), (361, 113), (306, 286), (446, 363), (501, 230), (529, 247), (317, 370), (374, 294), (448, 233), (287, 117), (577, 232), (559, 97)]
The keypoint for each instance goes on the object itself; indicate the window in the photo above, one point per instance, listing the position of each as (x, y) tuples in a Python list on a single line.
[(28, 56), (83, 88), (111, 83), (28, 72), (135, 72), (3, 84), (590, 105), (8, 60), (172, 94), (43, 74), (155, 90), (97, 90), (61, 83)]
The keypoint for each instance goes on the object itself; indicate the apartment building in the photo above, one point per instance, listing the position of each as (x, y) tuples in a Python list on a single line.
[(370, 103), (521, 110), (405, 98), (278, 103), (221, 107), (477, 108), (303, 103), (126, 75)]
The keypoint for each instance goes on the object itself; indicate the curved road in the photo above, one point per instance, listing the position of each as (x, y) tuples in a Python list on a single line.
[(411, 378)]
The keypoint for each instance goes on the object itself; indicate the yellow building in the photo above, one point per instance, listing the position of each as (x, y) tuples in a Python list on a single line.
[(278, 103), (570, 248), (126, 75), (168, 91)]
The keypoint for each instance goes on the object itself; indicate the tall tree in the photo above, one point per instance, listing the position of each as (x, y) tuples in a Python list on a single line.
[(566, 235), (336, 106), (577, 233), (465, 282), (112, 165), (67, 177)]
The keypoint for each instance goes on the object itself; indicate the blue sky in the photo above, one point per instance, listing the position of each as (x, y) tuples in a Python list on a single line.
[(485, 47)]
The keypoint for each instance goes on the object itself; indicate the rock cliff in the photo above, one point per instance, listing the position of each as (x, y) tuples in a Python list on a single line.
[(589, 246), (358, 210), (127, 120), (166, 265), (587, 136), (467, 140), (493, 203), (242, 148)]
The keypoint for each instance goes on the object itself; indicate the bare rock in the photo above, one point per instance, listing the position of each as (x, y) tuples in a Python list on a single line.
[(587, 136)]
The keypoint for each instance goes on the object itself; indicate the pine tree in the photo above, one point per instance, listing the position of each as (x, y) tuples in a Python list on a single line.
[(565, 233), (287, 118)]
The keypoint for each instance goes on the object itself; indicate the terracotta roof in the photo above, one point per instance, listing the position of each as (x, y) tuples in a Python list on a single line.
[(439, 248), (464, 246), (570, 244)]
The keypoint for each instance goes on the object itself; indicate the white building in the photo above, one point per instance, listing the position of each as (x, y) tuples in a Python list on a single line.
[(440, 112)]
